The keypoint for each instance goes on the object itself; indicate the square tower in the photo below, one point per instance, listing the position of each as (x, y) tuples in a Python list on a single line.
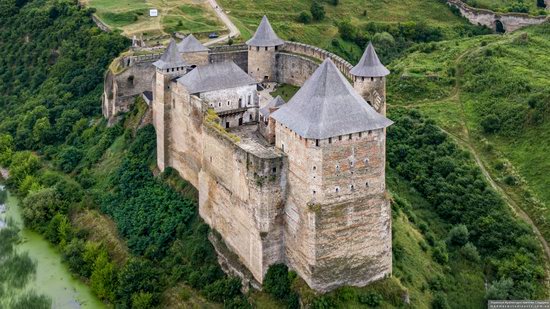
[(261, 52), (337, 216)]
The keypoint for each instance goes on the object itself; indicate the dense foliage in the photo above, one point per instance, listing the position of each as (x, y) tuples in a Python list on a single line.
[(448, 179)]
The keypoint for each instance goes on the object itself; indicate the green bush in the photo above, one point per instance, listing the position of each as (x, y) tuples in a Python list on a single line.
[(458, 235), (317, 10), (277, 282), (223, 290), (304, 17), (469, 251), (371, 299), (490, 124), (440, 302)]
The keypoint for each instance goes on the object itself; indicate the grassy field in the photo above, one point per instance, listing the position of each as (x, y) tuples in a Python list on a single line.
[(459, 83), (503, 5), (283, 15), (132, 17)]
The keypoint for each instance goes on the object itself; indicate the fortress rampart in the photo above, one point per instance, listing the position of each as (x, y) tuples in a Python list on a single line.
[(510, 21)]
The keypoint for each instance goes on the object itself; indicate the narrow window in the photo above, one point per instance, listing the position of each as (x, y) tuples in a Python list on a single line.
[(257, 48), (283, 147), (220, 104), (228, 103), (366, 161), (371, 79), (351, 163), (330, 140), (351, 187), (337, 189), (362, 78), (274, 170), (349, 136), (315, 168), (340, 137), (370, 132), (337, 168), (360, 134), (266, 48), (317, 142), (314, 192), (227, 125), (366, 184)]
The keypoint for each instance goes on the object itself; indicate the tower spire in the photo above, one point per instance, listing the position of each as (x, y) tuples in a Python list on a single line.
[(171, 58), (369, 65), (265, 35)]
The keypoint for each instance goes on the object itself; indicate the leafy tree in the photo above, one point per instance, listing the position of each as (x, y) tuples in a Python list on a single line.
[(541, 4), (500, 290), (304, 17), (490, 124), (317, 10), (469, 251), (440, 301), (68, 158), (458, 235), (39, 207), (223, 290), (103, 279), (347, 30), (6, 149), (137, 276)]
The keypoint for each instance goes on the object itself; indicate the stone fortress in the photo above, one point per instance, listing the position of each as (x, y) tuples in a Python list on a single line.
[(301, 182)]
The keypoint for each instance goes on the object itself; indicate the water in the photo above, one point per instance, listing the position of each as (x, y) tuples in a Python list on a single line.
[(52, 277)]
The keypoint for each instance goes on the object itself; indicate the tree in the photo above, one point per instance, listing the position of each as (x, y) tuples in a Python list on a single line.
[(304, 17), (440, 302), (223, 290), (490, 124), (317, 10), (6, 149), (347, 30), (500, 290), (334, 2), (104, 278), (41, 132), (541, 4), (39, 207), (458, 235)]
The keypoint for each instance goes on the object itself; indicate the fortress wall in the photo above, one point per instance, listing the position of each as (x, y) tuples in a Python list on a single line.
[(236, 53), (196, 58), (510, 21), (318, 53), (293, 69), (121, 89), (186, 141), (241, 197)]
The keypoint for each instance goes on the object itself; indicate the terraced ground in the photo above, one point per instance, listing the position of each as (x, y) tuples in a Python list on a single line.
[(132, 17)]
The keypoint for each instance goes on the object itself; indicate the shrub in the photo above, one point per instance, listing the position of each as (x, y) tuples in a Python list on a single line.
[(372, 299), (440, 302), (39, 207), (440, 253), (317, 10), (511, 180), (223, 290), (304, 17), (490, 124), (469, 251), (277, 282), (500, 290), (541, 4)]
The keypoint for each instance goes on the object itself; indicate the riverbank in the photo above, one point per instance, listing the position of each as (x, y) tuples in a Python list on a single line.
[(52, 278)]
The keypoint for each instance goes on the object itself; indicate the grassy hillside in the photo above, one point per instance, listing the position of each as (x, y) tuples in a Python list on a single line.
[(522, 6), (284, 17), (492, 93), (132, 17)]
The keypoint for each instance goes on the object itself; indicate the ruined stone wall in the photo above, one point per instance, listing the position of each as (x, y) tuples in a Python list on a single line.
[(373, 90), (510, 21), (235, 53), (293, 69), (318, 53), (121, 89), (261, 63)]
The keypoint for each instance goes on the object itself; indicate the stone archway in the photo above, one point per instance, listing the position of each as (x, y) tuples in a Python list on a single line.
[(499, 26)]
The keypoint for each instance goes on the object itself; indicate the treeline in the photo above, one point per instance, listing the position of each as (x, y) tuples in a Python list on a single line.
[(480, 225), (391, 40)]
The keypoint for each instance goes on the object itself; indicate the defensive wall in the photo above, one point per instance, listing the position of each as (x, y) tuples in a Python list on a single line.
[(510, 21)]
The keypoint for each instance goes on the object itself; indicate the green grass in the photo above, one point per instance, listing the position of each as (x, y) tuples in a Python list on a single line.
[(286, 91), (482, 75), (283, 16), (132, 17), (503, 5)]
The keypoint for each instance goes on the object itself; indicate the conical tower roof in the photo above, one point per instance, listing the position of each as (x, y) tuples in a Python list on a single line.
[(265, 36), (171, 57), (275, 103), (190, 44), (328, 106), (369, 65)]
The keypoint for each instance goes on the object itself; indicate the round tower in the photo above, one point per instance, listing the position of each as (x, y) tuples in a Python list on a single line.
[(169, 66), (261, 52), (369, 79)]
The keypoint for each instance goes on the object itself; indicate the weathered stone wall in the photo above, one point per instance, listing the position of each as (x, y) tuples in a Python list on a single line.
[(373, 90), (510, 21), (235, 53), (293, 69), (318, 53), (337, 215), (262, 63), (196, 58), (120, 90)]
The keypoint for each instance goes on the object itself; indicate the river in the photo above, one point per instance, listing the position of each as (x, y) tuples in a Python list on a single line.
[(53, 278)]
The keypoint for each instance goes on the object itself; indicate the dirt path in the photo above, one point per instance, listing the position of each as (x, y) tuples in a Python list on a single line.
[(233, 30)]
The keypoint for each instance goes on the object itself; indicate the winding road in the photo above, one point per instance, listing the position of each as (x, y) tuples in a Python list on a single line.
[(233, 30)]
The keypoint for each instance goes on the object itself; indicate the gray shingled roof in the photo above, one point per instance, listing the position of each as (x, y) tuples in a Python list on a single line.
[(328, 106), (277, 102), (190, 44), (265, 36), (369, 65), (171, 57), (215, 76)]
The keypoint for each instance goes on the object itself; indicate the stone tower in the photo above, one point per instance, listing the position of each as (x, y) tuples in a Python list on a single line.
[(169, 66), (261, 52), (337, 217), (192, 51), (369, 79)]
